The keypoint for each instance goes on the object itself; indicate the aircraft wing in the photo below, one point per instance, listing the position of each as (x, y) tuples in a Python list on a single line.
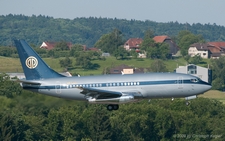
[(105, 94), (100, 94)]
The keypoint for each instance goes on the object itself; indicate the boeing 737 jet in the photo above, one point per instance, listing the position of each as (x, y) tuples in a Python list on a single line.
[(105, 89)]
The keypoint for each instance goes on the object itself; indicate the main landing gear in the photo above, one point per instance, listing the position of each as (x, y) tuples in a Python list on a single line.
[(111, 107), (187, 103)]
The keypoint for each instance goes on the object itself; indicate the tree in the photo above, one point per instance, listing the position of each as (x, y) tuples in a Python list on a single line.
[(158, 66), (149, 34), (218, 66), (110, 42), (98, 123), (65, 63), (185, 39), (9, 88), (147, 43), (6, 127), (84, 61), (196, 59), (120, 52), (133, 53), (61, 46), (51, 53)]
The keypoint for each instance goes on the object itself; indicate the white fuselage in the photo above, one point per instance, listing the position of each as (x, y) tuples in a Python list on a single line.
[(139, 86)]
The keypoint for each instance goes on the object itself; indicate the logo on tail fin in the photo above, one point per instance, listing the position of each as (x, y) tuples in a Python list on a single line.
[(31, 62)]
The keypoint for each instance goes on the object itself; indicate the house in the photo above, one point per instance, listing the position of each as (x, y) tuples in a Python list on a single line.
[(173, 48), (219, 47), (199, 49), (203, 73), (51, 45), (133, 44), (207, 50), (125, 70)]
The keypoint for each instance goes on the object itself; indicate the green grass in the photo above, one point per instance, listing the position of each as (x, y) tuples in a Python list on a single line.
[(214, 94), (8, 64)]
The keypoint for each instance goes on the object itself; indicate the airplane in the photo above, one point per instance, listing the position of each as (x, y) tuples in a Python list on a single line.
[(105, 89)]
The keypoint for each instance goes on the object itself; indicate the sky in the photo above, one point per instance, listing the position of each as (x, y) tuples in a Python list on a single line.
[(182, 11)]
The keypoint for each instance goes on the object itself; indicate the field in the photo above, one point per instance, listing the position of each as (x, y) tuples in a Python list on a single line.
[(215, 95), (13, 64)]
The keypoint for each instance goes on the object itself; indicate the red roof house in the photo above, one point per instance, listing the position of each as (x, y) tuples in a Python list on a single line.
[(166, 39), (51, 45), (133, 43)]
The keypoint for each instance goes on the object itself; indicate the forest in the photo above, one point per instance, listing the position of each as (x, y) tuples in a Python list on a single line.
[(86, 31), (26, 115)]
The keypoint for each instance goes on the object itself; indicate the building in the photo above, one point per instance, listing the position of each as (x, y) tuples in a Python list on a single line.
[(199, 49), (219, 47), (124, 69), (51, 45), (207, 50), (173, 48), (203, 73), (133, 44)]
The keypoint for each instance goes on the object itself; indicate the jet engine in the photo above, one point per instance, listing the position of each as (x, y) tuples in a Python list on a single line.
[(122, 99)]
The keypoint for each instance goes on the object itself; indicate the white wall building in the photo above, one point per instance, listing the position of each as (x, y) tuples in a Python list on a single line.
[(199, 49), (203, 73)]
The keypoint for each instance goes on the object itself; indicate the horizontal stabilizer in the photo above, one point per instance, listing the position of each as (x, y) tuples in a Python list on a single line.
[(28, 82)]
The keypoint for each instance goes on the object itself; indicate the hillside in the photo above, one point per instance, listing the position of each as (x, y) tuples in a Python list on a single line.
[(36, 29), (8, 64)]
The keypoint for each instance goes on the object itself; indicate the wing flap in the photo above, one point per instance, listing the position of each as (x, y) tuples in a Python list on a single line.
[(100, 94), (106, 94)]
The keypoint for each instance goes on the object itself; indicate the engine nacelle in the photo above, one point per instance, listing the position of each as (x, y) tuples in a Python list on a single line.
[(190, 97), (126, 98), (122, 99)]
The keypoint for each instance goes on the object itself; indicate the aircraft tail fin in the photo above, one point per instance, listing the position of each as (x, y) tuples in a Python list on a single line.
[(33, 66)]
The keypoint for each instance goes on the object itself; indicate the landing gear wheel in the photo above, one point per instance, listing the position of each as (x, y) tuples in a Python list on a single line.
[(115, 107), (187, 103), (110, 107)]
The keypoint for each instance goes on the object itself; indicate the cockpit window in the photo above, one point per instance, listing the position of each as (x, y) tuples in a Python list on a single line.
[(194, 80)]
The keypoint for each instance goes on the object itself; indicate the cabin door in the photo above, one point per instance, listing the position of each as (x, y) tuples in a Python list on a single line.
[(180, 82), (58, 87)]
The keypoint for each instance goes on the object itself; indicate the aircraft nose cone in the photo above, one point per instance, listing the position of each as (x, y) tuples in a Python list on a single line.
[(208, 86)]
